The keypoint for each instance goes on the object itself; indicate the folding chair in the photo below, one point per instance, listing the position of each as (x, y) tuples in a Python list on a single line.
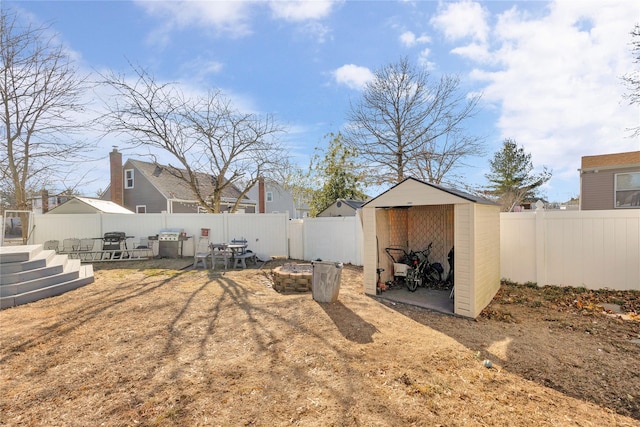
[(202, 252), (51, 245)]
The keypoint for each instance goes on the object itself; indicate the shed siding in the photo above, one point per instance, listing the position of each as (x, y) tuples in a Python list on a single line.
[(463, 259), (487, 256), (369, 217)]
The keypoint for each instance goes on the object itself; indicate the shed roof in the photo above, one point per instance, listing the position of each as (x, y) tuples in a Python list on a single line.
[(451, 195), (79, 204)]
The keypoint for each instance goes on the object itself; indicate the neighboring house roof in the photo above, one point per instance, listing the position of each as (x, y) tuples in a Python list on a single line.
[(615, 160), (163, 179), (452, 191), (341, 207), (79, 204), (355, 204)]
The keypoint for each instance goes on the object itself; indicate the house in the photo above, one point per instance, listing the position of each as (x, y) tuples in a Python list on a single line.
[(274, 198), (145, 187), (413, 215), (342, 207), (610, 181), (87, 205)]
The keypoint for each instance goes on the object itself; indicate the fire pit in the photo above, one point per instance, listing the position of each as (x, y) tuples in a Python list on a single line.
[(292, 277)]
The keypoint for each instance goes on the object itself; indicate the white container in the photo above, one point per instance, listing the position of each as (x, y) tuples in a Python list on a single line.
[(326, 280)]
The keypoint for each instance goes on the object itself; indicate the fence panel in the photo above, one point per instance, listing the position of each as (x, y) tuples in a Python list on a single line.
[(518, 246), (594, 249), (296, 239), (266, 234), (60, 227), (333, 239)]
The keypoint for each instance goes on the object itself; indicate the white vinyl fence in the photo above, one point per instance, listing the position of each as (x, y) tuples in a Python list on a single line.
[(594, 249), (266, 234), (337, 239)]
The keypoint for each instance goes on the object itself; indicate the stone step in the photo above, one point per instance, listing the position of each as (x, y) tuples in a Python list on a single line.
[(54, 266), (39, 259), (70, 272), (85, 276)]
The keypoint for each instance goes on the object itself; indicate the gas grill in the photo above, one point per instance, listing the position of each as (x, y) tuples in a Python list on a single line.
[(114, 240), (170, 241)]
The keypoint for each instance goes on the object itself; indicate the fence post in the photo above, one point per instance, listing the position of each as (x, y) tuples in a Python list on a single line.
[(541, 244)]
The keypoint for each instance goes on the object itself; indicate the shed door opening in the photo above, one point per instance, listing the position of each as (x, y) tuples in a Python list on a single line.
[(413, 229)]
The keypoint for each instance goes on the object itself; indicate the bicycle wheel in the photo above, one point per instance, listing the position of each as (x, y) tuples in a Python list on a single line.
[(412, 280), (434, 277)]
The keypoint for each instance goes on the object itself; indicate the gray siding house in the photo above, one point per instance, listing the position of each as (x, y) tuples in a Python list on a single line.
[(610, 181), (145, 187), (273, 198)]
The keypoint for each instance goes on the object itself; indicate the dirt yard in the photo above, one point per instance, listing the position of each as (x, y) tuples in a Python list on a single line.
[(149, 344)]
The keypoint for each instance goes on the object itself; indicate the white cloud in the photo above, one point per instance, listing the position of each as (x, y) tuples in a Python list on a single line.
[(462, 20), (409, 39), (297, 11), (353, 76), (423, 60), (228, 17), (200, 68), (556, 78), (234, 18)]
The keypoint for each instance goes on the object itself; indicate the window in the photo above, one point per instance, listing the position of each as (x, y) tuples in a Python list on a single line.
[(269, 196), (627, 187), (128, 178), (141, 209)]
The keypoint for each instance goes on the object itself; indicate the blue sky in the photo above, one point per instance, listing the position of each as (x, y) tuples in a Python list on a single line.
[(549, 71)]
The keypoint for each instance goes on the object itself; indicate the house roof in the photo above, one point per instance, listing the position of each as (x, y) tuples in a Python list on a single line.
[(172, 187), (630, 158), (355, 204), (86, 204), (452, 191)]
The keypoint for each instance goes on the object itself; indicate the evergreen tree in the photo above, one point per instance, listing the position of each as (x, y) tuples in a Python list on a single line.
[(337, 175), (512, 179)]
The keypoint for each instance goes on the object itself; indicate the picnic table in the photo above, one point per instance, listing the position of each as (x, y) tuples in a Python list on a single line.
[(236, 251)]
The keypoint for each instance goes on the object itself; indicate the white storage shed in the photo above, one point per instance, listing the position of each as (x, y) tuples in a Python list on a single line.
[(413, 214)]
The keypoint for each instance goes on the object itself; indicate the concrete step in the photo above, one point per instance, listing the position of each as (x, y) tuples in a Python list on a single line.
[(84, 277), (55, 266), (39, 259), (11, 254), (70, 272)]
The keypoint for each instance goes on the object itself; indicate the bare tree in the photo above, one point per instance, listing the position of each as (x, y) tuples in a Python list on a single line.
[(632, 79), (407, 124), (40, 91), (206, 135)]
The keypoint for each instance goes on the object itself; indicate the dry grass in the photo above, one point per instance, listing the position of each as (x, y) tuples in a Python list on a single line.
[(154, 346)]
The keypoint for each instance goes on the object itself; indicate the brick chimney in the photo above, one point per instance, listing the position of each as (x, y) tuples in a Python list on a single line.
[(115, 164), (44, 195), (261, 195)]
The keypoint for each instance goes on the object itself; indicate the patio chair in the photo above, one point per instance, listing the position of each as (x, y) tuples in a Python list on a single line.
[(51, 245), (202, 252), (70, 246), (85, 247), (220, 253)]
